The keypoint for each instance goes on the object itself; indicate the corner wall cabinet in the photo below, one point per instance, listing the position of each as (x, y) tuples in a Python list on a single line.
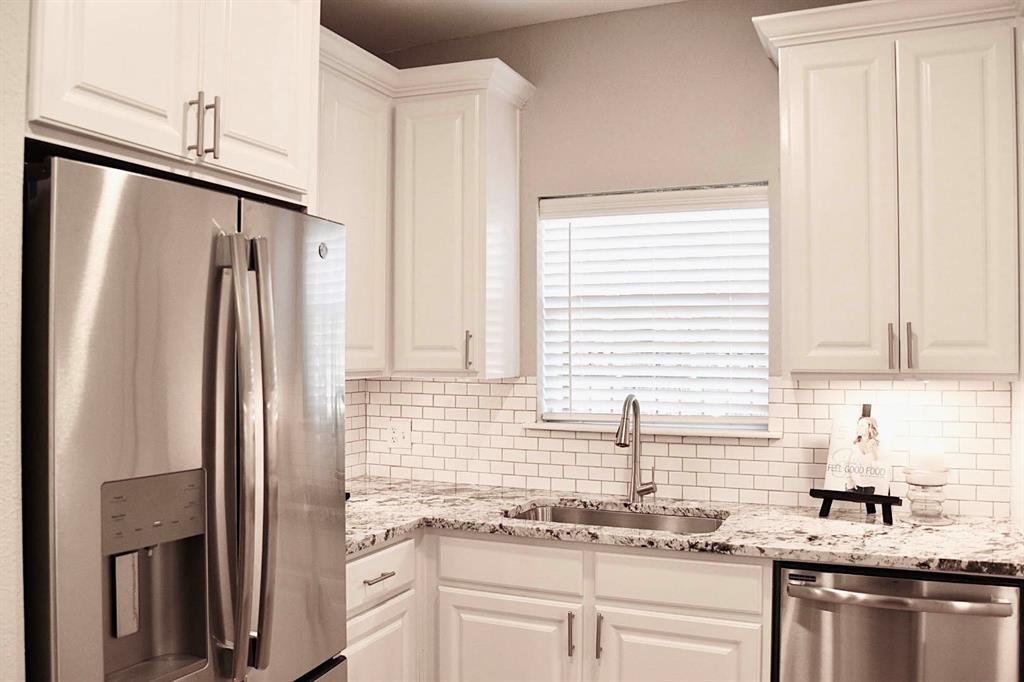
[(899, 195), (354, 188), (210, 86), (451, 214)]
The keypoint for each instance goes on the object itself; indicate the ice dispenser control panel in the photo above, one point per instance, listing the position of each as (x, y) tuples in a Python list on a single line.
[(142, 512)]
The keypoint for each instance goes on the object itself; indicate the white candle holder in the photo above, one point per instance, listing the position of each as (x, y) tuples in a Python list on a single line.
[(926, 490)]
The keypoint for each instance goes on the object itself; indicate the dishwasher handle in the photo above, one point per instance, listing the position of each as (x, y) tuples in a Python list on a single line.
[(830, 595)]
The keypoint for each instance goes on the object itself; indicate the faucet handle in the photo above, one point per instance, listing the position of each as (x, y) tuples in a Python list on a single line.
[(648, 488)]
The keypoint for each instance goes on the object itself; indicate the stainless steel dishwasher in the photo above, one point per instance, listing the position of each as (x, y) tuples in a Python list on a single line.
[(860, 626)]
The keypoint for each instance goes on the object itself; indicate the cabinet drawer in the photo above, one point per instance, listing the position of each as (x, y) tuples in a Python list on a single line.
[(546, 569), (679, 582), (367, 579)]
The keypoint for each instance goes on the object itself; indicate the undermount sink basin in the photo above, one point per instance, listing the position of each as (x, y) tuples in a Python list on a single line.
[(621, 519)]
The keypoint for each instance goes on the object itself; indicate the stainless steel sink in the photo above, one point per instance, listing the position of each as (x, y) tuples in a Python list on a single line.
[(622, 519)]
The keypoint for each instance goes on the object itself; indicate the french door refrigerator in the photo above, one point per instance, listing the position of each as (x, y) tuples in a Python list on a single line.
[(183, 432)]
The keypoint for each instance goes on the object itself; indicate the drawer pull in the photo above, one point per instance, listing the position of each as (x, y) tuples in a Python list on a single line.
[(380, 578)]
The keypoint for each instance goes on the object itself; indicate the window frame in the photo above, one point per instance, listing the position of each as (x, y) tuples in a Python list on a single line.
[(708, 197)]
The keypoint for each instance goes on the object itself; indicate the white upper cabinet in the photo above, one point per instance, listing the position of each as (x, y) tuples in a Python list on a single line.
[(123, 70), (840, 270), (438, 233), (422, 166), (353, 187), (958, 199), (899, 191), (261, 59), (123, 78), (456, 238)]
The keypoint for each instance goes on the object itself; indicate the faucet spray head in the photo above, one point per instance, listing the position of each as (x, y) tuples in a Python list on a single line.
[(622, 433)]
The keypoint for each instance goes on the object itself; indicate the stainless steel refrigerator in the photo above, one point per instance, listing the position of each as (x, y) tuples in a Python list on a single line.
[(183, 432)]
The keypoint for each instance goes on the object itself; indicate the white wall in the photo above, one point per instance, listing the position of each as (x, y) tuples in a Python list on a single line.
[(13, 70), (675, 95)]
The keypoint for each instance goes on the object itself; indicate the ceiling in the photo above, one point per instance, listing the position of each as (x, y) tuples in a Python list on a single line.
[(383, 26)]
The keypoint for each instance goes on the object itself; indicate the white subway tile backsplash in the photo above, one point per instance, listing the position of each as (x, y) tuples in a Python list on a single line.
[(471, 431)]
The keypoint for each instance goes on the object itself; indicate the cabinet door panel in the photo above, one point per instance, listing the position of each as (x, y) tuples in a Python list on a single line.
[(506, 638), (437, 247), (382, 642), (353, 188), (839, 213), (640, 646), (958, 218), (122, 70), (261, 58)]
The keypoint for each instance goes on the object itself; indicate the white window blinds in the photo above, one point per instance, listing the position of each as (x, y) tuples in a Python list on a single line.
[(661, 294)]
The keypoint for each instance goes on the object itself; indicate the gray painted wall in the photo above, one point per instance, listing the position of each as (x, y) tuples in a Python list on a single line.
[(666, 96)]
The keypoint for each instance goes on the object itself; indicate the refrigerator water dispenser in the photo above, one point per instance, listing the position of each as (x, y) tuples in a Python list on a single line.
[(154, 577)]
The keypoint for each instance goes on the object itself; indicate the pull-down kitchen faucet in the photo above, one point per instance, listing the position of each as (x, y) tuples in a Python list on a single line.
[(623, 439)]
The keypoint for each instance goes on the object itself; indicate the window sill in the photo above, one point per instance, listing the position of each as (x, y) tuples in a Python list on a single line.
[(653, 429)]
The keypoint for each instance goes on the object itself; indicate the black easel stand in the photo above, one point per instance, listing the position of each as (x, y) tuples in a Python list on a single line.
[(827, 496)]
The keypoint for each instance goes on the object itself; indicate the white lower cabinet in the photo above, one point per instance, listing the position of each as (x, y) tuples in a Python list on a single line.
[(489, 637), (650, 646), (553, 612), (451, 608), (383, 621), (382, 642)]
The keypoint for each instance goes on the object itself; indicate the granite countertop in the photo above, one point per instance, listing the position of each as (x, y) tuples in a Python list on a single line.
[(382, 509)]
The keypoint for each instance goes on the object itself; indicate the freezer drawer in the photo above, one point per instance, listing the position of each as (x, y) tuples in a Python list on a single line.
[(838, 626)]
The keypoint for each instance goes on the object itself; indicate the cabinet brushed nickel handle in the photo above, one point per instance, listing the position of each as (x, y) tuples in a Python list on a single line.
[(215, 149), (910, 347), (891, 334), (572, 647), (200, 104), (469, 337), (379, 579), (597, 648)]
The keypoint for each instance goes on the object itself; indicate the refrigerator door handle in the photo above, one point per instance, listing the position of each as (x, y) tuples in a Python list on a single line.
[(268, 340), (247, 414)]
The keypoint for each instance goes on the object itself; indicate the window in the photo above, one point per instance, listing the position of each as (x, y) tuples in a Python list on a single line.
[(663, 294)]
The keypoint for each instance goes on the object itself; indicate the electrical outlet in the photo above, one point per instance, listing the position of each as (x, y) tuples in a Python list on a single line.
[(398, 434)]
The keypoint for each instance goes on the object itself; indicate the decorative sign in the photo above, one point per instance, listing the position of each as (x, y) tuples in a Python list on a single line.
[(857, 462)]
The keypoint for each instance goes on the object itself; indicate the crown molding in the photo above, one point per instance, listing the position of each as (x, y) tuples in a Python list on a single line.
[(873, 17), (493, 75), (349, 59)]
